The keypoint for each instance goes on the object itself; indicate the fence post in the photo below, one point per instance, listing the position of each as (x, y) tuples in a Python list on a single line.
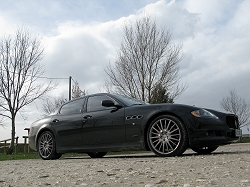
[(4, 148), (24, 146), (16, 144)]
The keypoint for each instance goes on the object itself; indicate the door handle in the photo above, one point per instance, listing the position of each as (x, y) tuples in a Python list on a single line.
[(55, 120), (87, 117)]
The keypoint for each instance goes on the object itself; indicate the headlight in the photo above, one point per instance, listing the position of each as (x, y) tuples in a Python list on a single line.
[(203, 113)]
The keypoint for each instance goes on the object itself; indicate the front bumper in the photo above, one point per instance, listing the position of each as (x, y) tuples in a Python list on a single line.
[(215, 132), (212, 138)]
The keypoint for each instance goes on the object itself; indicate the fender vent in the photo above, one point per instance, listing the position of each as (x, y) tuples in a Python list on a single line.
[(134, 117)]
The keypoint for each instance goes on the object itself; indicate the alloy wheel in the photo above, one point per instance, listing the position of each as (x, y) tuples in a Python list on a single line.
[(167, 136)]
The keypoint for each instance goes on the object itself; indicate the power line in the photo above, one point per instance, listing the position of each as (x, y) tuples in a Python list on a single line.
[(54, 78), (39, 76), (51, 78)]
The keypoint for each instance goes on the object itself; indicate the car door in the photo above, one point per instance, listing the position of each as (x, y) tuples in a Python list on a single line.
[(107, 122), (68, 124)]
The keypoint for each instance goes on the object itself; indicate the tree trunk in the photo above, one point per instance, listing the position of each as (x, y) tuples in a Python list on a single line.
[(13, 132)]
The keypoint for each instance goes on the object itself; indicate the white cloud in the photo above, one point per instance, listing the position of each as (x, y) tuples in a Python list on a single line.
[(218, 54), (171, 16), (6, 27), (212, 12), (215, 38), (80, 51)]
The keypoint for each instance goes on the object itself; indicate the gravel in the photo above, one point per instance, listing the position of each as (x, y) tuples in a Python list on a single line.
[(228, 166)]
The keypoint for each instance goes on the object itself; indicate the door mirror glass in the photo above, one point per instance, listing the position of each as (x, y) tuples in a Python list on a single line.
[(108, 103)]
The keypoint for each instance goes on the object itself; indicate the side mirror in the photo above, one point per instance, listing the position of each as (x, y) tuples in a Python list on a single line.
[(108, 103)]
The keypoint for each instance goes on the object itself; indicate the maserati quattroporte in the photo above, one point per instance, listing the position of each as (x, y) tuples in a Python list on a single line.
[(99, 123)]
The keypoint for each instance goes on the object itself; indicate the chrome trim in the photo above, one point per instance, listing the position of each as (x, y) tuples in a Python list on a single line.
[(134, 117)]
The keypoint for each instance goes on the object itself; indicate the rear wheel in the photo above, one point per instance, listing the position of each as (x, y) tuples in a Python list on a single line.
[(97, 154), (167, 136), (204, 150), (47, 146)]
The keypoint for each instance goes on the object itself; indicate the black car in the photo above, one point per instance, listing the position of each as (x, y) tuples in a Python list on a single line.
[(96, 124)]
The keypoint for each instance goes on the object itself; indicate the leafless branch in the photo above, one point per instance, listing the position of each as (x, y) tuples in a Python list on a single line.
[(19, 73), (76, 91), (238, 106), (51, 105), (146, 59)]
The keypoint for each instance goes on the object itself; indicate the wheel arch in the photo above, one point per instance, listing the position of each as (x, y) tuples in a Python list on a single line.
[(154, 117), (41, 130)]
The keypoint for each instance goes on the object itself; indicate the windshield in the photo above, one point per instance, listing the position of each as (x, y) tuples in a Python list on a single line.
[(129, 101)]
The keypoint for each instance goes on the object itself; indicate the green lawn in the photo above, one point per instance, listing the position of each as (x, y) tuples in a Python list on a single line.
[(19, 156)]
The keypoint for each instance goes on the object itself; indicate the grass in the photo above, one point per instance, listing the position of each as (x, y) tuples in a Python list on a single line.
[(19, 156), (245, 140)]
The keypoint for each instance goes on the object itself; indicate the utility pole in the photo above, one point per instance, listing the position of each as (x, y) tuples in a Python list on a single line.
[(70, 78)]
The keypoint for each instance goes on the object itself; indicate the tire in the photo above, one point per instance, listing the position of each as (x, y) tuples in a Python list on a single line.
[(167, 136), (204, 150), (97, 154), (46, 146)]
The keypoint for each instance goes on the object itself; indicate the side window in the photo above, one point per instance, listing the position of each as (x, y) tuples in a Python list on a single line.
[(74, 107), (95, 103)]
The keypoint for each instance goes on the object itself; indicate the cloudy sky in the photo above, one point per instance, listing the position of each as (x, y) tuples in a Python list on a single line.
[(82, 36)]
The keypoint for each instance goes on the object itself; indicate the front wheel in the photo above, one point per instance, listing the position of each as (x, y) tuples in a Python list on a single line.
[(47, 146), (97, 154), (204, 150), (167, 136)]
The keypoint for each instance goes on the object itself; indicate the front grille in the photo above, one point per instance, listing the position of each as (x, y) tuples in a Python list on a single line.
[(232, 121)]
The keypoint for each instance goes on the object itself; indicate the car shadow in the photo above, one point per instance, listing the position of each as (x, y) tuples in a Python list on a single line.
[(218, 153), (188, 153)]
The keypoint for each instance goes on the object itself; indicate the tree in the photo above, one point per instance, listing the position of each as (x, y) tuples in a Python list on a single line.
[(50, 105), (19, 73), (146, 59), (238, 106), (1, 117), (76, 91), (160, 95)]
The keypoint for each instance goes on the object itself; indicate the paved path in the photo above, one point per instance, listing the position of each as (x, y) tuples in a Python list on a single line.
[(227, 166)]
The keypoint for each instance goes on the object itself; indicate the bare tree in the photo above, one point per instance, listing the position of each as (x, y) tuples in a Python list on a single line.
[(50, 105), (1, 110), (19, 73), (1, 117), (76, 91), (237, 105), (146, 59)]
